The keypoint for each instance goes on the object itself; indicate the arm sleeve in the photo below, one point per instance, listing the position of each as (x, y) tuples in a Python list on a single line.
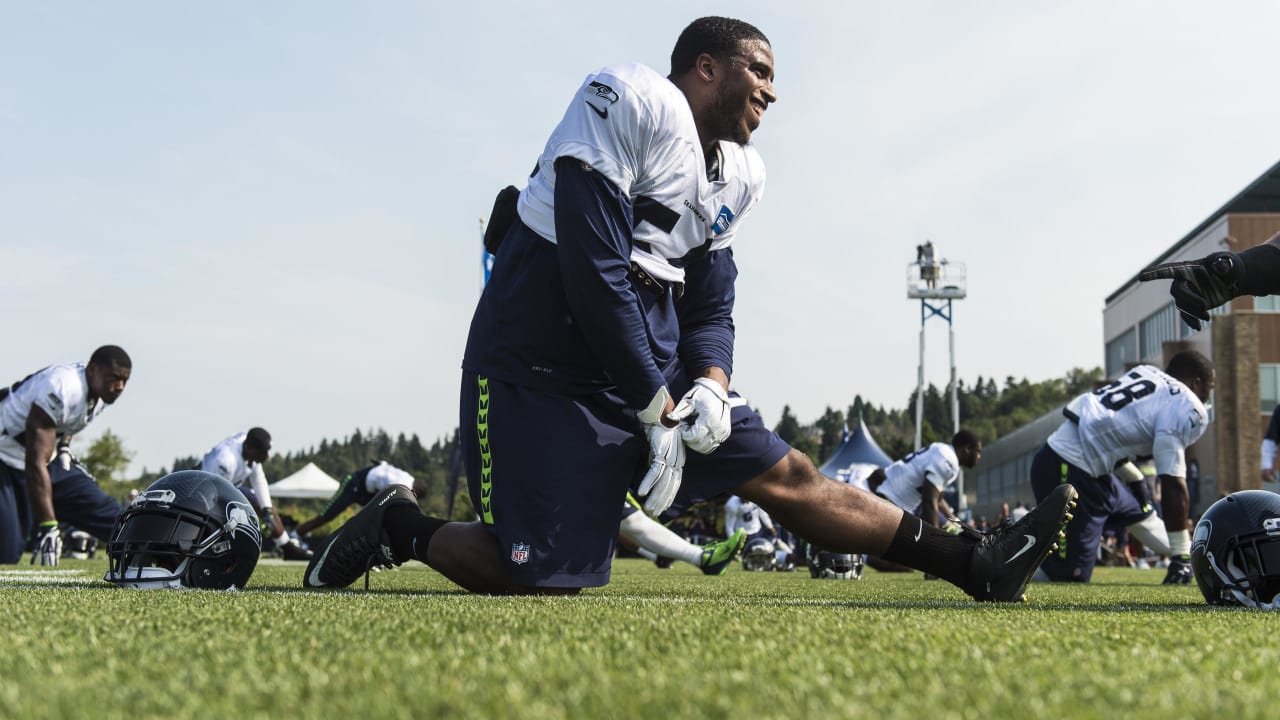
[(706, 313), (593, 240), (1170, 455), (258, 481)]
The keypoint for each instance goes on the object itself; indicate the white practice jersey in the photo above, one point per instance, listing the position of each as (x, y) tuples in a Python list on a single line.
[(634, 126), (382, 476), (1145, 412), (857, 475), (62, 392), (744, 514), (936, 464), (227, 460)]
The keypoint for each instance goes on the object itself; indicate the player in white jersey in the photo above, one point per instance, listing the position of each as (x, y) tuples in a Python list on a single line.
[(35, 413), (611, 298), (360, 487), (238, 459), (1145, 412), (749, 517), (916, 482)]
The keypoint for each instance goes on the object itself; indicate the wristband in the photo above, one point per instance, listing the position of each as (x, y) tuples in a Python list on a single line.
[(48, 524)]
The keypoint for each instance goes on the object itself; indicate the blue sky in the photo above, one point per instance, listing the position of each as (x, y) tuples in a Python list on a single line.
[(274, 206)]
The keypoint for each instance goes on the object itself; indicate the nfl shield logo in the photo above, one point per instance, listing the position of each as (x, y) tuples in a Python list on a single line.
[(519, 553)]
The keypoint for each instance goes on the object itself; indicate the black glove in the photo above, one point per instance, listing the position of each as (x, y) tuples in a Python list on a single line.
[(1201, 285)]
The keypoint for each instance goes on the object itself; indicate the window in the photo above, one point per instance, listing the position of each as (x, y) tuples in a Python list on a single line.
[(1269, 386), (1158, 327), (1270, 303), (1123, 349)]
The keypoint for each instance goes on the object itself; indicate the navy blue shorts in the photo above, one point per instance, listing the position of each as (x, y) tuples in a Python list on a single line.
[(15, 514), (549, 473), (1103, 500)]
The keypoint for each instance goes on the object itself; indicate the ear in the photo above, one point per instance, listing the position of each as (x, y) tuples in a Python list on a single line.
[(706, 65)]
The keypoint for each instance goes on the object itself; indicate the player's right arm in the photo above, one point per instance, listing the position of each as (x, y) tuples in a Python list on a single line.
[(40, 439)]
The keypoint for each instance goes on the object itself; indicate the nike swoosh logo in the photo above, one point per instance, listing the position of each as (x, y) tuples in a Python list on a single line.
[(1031, 540), (920, 531), (314, 578), (604, 114)]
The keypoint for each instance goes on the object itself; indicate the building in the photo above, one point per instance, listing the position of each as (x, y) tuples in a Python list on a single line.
[(1142, 325)]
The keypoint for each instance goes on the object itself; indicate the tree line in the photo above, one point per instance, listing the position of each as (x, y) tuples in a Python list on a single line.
[(987, 408)]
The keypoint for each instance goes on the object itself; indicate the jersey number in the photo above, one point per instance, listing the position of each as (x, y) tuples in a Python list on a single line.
[(1116, 394)]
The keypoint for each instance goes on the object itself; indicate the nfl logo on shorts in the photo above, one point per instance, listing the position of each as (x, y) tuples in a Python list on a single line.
[(519, 553)]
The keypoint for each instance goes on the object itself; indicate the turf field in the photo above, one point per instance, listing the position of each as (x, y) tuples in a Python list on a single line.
[(655, 643)]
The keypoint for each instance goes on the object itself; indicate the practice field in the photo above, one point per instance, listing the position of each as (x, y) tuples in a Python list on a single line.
[(655, 643)]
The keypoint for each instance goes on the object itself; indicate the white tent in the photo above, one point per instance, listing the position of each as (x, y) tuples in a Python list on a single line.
[(309, 482)]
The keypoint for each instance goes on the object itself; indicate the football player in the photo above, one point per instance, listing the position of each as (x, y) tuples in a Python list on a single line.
[(602, 349), (1201, 285), (360, 487), (238, 460), (1144, 412), (35, 413), (916, 482)]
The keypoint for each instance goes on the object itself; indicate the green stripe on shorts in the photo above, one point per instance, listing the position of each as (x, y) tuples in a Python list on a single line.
[(486, 457)]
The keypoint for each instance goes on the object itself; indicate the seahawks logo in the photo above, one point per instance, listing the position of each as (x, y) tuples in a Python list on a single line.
[(599, 98), (240, 518)]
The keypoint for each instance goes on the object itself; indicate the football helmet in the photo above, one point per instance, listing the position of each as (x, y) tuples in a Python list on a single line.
[(834, 566), (1235, 551), (758, 555), (80, 545), (190, 529)]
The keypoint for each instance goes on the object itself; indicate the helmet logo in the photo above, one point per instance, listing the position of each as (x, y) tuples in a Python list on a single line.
[(162, 497), (239, 519), (1272, 526), (1204, 529)]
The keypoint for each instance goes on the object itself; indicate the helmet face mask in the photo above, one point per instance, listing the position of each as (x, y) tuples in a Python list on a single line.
[(1235, 552), (758, 555), (189, 529), (824, 565)]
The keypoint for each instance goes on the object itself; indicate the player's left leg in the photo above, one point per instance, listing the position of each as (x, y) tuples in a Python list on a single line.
[(843, 519), (78, 500)]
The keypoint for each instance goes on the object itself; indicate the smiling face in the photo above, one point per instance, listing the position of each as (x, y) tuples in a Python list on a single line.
[(744, 90)]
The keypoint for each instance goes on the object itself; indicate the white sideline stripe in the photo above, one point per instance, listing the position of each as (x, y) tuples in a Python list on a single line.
[(36, 578)]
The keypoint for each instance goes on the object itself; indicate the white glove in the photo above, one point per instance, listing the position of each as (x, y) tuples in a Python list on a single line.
[(666, 457), (48, 546), (706, 407), (64, 457)]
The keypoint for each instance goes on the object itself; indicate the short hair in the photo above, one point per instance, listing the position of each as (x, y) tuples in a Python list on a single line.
[(111, 356), (259, 438), (964, 438), (1190, 364), (716, 36)]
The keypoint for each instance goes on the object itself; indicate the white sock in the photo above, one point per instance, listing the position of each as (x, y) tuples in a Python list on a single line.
[(282, 540), (1179, 544), (650, 535)]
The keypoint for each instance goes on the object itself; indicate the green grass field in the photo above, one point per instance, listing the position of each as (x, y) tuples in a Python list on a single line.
[(663, 644)]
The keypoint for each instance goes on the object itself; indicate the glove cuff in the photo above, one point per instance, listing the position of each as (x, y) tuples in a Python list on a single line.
[(714, 387), (652, 414), (1261, 268), (48, 524)]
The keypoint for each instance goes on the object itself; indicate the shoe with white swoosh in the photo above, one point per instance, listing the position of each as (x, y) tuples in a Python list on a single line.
[(358, 545), (1005, 559)]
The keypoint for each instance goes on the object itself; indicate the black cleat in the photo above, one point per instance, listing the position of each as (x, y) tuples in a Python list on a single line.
[(358, 545), (293, 551), (1179, 572), (1005, 559)]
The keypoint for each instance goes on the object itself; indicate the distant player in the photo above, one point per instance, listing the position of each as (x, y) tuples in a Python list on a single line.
[(655, 541), (1145, 412), (238, 460), (916, 482), (35, 413), (360, 487)]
